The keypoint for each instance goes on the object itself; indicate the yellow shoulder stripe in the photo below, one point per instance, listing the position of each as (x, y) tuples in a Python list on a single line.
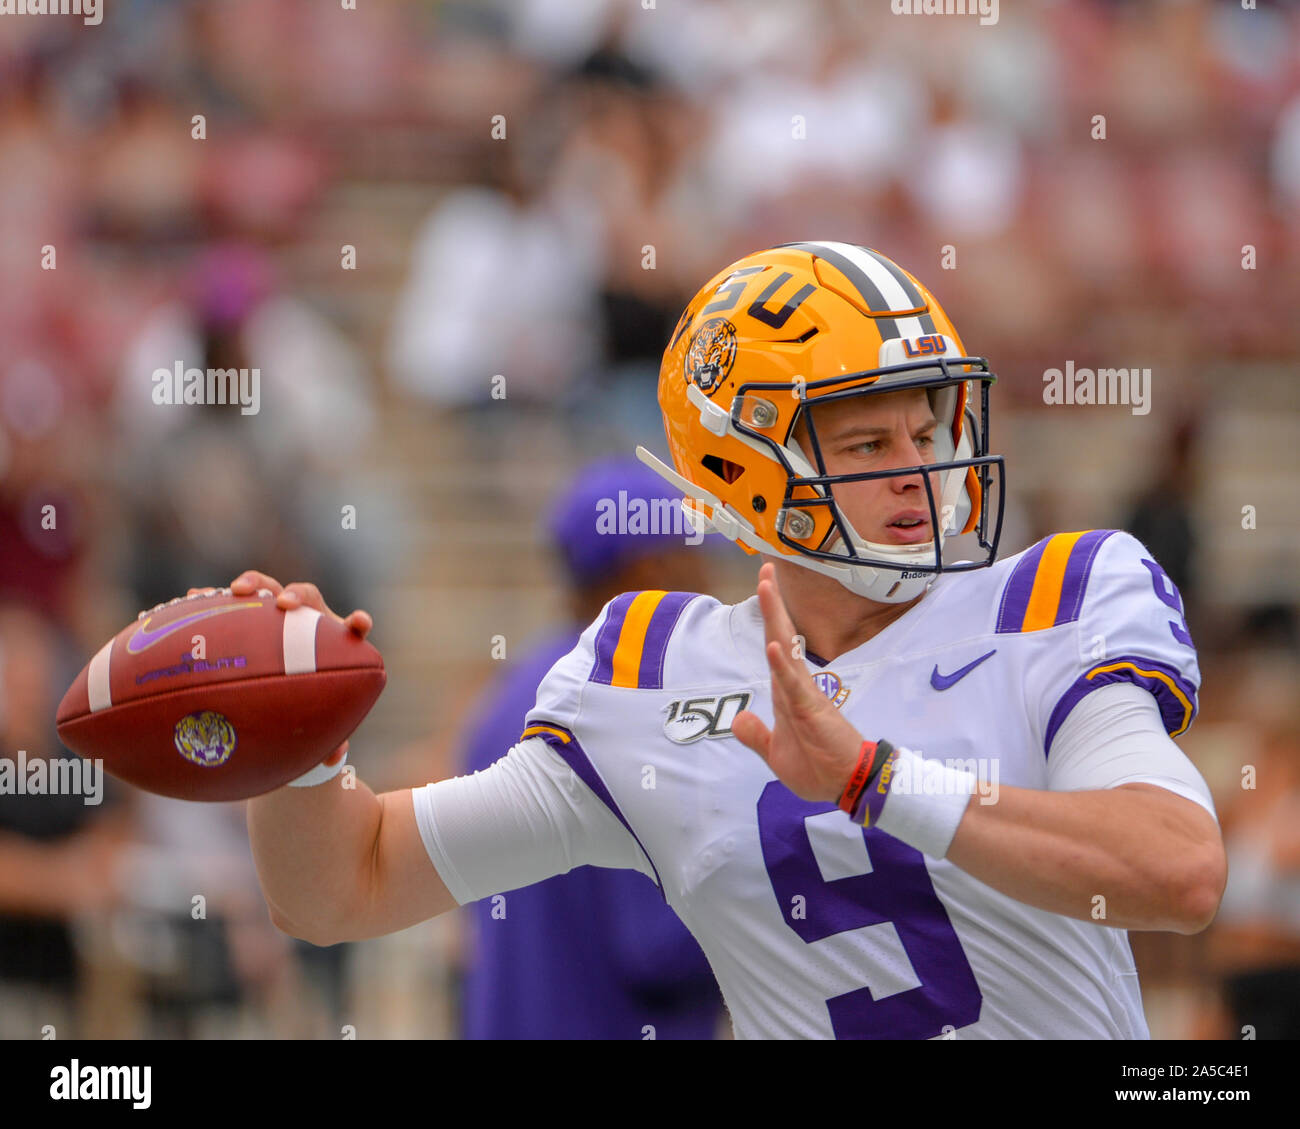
[(631, 639), (1049, 580)]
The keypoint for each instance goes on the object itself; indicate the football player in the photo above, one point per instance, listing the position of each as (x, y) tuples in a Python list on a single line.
[(965, 790)]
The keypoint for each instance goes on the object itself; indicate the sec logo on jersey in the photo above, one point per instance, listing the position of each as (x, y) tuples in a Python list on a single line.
[(830, 684)]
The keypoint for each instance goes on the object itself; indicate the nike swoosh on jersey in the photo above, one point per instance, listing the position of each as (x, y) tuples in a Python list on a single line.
[(943, 681), (143, 638)]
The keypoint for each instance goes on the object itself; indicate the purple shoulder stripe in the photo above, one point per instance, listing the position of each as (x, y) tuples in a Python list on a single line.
[(573, 754), (1175, 696), (1077, 570), (1015, 594)]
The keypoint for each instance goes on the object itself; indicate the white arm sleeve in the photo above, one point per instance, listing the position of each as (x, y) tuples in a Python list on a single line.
[(525, 818), (1115, 735)]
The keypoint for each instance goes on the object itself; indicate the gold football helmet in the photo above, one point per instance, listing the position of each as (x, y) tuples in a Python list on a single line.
[(803, 324)]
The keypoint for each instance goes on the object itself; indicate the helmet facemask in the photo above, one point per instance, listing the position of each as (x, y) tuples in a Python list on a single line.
[(884, 571)]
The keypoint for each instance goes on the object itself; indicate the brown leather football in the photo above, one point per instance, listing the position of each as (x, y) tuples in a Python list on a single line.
[(220, 697)]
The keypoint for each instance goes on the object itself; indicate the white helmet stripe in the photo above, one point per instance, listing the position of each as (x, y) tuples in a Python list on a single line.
[(884, 281)]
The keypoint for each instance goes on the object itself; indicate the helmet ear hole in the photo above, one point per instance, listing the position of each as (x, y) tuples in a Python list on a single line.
[(725, 469)]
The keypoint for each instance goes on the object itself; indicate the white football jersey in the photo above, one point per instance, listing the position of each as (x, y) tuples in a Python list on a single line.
[(815, 927)]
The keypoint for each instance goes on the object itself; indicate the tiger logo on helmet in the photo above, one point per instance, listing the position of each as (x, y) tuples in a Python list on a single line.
[(711, 354), (794, 326)]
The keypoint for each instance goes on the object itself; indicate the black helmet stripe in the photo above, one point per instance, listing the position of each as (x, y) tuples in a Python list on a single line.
[(870, 288), (912, 293), (909, 287)]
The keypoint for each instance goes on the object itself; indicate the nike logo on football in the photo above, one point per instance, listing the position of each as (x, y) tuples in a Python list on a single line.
[(943, 681), (143, 638)]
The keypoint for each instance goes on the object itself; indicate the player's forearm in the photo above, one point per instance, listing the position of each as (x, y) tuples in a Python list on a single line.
[(1128, 858), (314, 851)]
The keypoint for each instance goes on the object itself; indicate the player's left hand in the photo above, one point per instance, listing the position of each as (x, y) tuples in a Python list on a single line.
[(811, 746)]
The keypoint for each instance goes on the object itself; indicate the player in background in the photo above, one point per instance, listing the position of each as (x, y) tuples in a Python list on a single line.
[(60, 857), (965, 791), (595, 953)]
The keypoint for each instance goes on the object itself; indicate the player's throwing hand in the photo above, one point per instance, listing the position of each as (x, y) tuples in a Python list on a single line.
[(811, 747), (300, 594)]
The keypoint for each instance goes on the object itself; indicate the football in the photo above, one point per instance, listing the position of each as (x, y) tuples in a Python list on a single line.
[(219, 697)]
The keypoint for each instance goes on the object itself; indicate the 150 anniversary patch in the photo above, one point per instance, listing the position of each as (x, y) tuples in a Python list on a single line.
[(692, 719)]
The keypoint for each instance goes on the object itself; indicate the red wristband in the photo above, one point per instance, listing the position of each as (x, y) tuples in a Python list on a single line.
[(858, 781)]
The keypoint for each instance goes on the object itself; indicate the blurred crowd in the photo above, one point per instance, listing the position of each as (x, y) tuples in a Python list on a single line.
[(532, 189)]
